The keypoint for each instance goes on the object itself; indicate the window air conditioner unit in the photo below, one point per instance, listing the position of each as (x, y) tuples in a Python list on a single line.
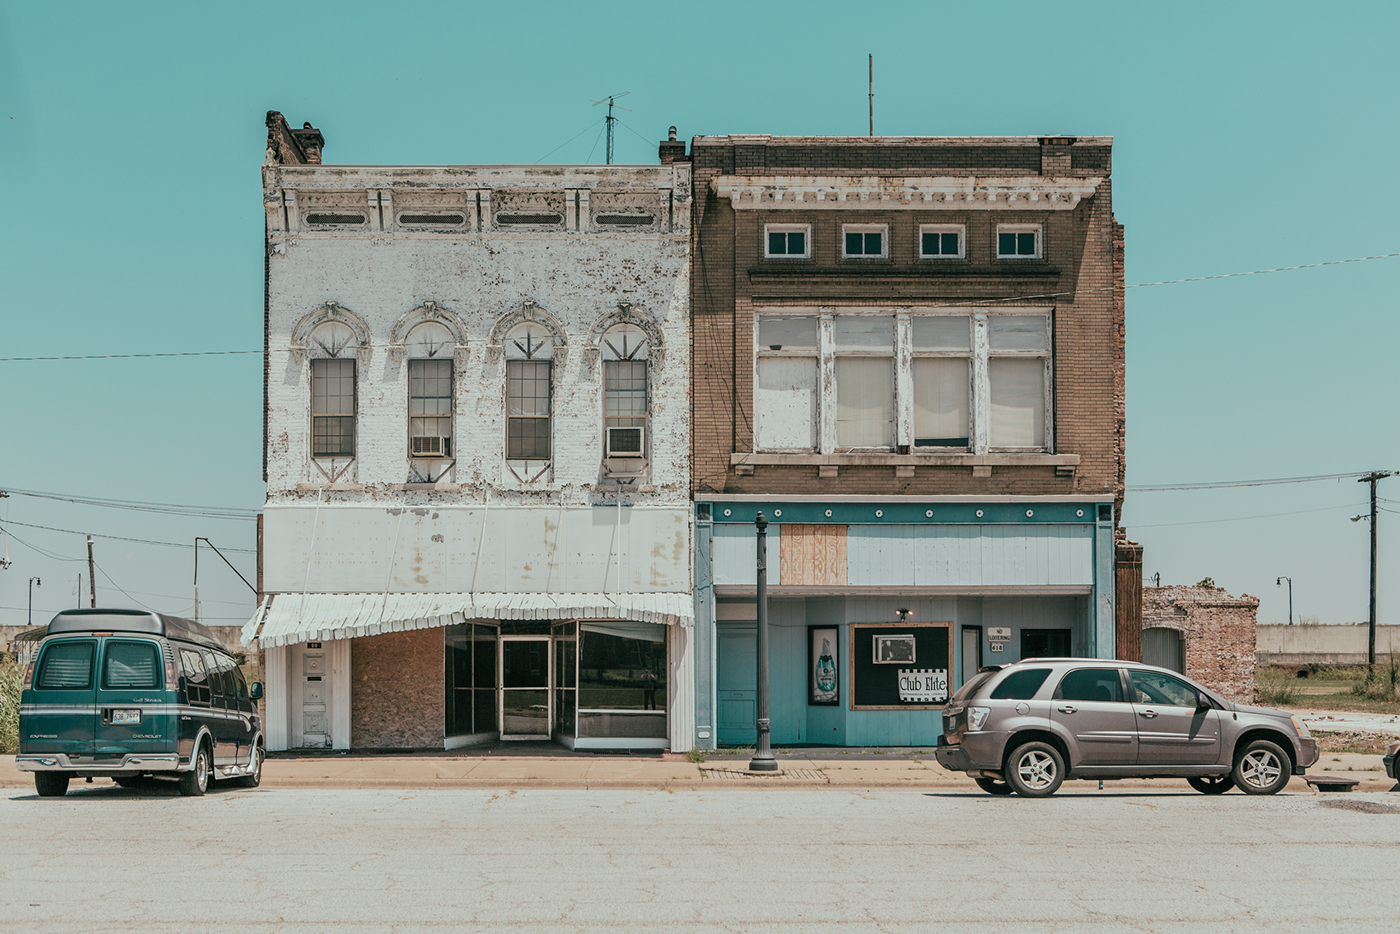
[(424, 445), (626, 442)]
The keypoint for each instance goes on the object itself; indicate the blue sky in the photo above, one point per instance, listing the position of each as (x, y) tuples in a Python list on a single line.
[(1248, 136)]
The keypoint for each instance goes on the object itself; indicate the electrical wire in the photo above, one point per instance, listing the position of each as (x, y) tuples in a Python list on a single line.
[(1272, 515), (569, 140), (173, 509), (1225, 484), (120, 538), (594, 146), (128, 356)]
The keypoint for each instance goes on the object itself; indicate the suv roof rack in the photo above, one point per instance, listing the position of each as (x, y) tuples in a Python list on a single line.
[(173, 627)]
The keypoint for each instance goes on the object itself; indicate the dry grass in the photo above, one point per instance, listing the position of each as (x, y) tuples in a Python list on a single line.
[(1354, 688), (11, 676), (1366, 744)]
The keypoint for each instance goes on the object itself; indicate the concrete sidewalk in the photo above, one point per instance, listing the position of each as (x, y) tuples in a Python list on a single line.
[(671, 772)]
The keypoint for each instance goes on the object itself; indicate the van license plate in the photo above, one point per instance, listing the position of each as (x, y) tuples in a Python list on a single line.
[(126, 716)]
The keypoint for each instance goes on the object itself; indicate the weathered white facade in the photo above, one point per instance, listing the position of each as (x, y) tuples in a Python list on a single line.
[(477, 421)]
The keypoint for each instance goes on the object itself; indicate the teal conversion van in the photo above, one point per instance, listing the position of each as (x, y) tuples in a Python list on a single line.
[(129, 693)]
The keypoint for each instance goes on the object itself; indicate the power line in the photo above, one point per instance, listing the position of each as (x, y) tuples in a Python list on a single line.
[(1272, 515), (565, 143), (129, 356), (1224, 484), (119, 538), (174, 509)]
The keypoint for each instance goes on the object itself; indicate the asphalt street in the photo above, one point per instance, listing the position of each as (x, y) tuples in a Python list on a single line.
[(111, 859)]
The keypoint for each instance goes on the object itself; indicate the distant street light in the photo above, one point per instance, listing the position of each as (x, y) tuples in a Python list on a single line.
[(32, 582), (1279, 583)]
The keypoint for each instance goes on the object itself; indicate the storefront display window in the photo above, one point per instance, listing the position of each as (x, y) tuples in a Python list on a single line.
[(622, 680), (470, 668), (897, 666)]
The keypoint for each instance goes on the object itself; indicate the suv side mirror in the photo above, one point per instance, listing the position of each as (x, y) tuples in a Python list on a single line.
[(1203, 702), (256, 692)]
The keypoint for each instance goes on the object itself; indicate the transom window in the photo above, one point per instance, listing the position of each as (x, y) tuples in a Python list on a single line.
[(791, 241), (1018, 241), (941, 241), (529, 385), (908, 380), (864, 240)]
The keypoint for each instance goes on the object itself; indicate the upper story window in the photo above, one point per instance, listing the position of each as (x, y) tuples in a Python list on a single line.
[(867, 241), (864, 357), (788, 241), (1018, 241), (902, 380), (529, 386), (430, 346), (333, 396), (785, 382), (941, 241), (624, 350)]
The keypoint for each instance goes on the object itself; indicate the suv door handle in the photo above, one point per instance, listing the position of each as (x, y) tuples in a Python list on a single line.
[(1147, 713), (1067, 708)]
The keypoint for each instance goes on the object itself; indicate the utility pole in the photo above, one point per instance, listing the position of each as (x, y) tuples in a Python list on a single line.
[(1372, 479), (872, 93), (92, 578), (32, 582), (1279, 583), (763, 760)]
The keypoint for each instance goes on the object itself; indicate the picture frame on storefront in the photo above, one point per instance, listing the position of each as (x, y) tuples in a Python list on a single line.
[(823, 666), (874, 685)]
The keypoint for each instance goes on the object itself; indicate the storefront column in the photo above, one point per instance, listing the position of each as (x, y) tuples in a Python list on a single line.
[(340, 693), (275, 712), (702, 637), (1105, 619)]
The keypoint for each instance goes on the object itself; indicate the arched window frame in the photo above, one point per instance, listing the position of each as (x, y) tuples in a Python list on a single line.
[(529, 369), (330, 405)]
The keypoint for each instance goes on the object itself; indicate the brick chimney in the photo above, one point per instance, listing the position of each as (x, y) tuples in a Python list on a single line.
[(287, 146), (672, 149), (1054, 154)]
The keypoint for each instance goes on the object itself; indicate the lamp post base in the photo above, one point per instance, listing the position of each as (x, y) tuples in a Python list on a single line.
[(760, 764)]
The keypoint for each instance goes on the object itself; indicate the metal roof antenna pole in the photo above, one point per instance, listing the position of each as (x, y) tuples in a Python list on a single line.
[(610, 118), (762, 760), (872, 93), (92, 577)]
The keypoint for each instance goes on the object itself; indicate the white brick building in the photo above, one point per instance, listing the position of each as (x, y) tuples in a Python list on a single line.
[(476, 453)]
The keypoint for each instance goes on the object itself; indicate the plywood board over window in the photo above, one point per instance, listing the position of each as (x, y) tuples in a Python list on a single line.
[(813, 555)]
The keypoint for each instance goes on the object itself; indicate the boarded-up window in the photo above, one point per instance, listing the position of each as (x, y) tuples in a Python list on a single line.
[(786, 387), (1017, 402), (864, 381)]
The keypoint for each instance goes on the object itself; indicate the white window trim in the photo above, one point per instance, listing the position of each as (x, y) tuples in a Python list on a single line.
[(979, 355), (1020, 228), (882, 229), (788, 228), (959, 229)]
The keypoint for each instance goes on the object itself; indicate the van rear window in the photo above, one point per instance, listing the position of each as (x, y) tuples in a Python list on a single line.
[(67, 666), (128, 665)]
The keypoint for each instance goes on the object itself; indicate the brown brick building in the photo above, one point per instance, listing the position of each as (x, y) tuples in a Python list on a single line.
[(908, 354)]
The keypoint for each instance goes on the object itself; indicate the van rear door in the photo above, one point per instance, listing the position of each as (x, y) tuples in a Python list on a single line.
[(59, 714), (134, 714)]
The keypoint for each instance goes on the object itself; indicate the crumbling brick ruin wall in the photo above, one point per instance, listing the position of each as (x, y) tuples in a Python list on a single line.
[(1218, 630)]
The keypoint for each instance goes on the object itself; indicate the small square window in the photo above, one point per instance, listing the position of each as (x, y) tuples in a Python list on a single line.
[(1018, 242), (788, 241), (864, 241), (941, 241)]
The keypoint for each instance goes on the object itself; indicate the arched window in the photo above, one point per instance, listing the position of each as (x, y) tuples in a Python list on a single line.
[(624, 350), (430, 348), (332, 347), (529, 350)]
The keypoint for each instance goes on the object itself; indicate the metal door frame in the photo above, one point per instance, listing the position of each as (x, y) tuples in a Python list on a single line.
[(501, 687), (962, 650)]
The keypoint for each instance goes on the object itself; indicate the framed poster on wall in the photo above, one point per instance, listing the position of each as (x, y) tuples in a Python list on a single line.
[(823, 666), (899, 666)]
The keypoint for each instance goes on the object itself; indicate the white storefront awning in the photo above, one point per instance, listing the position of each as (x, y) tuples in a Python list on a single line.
[(289, 618)]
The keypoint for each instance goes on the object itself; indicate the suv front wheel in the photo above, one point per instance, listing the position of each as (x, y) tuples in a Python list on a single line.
[(1261, 768), (1035, 770)]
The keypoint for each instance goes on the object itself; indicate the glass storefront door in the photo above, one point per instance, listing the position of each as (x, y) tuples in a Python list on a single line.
[(525, 687)]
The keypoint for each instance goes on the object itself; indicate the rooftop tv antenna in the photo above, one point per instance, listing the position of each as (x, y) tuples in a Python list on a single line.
[(609, 101)]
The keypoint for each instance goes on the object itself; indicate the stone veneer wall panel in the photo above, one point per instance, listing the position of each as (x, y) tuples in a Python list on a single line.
[(396, 690)]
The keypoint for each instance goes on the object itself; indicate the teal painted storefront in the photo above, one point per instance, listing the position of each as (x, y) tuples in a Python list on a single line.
[(1026, 568)]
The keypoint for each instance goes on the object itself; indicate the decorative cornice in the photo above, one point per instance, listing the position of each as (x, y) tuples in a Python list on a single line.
[(912, 193)]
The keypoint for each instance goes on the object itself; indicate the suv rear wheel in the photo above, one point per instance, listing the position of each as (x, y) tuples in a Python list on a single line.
[(1035, 770), (1261, 768), (196, 781), (51, 784)]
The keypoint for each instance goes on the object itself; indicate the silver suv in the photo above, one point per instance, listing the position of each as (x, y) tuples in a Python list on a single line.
[(1028, 726)]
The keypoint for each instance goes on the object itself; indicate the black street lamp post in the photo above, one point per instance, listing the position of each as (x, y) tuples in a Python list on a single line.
[(763, 760)]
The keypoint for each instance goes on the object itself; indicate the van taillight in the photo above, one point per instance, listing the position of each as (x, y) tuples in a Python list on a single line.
[(28, 676), (171, 681)]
